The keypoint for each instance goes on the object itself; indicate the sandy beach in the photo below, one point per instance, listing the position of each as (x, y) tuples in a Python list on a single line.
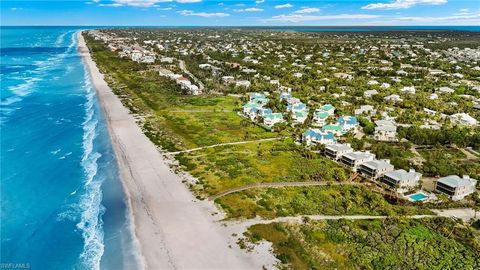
[(173, 229)]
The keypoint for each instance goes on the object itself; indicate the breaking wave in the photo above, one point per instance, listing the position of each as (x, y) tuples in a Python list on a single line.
[(91, 224)]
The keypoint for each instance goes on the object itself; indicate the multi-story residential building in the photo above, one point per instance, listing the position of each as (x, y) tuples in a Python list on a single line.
[(320, 118), (316, 136), (328, 108), (272, 118), (401, 179), (456, 187), (348, 123), (336, 151), (354, 159), (385, 131), (299, 117), (375, 168)]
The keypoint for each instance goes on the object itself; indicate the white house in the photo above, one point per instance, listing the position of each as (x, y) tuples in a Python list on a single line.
[(394, 98), (464, 119), (320, 118), (243, 83), (136, 56), (272, 118), (375, 168), (408, 90), (316, 136), (370, 93), (299, 117), (148, 59), (445, 89), (168, 60), (385, 85), (401, 179), (365, 109), (385, 130), (251, 110), (328, 108), (348, 123), (455, 187), (355, 159), (336, 151)]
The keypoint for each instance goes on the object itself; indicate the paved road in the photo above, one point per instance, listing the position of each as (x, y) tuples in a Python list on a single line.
[(245, 224), (199, 111), (222, 144), (281, 184), (182, 66), (463, 213)]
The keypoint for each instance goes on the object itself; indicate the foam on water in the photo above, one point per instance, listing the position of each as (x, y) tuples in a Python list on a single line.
[(43, 68), (90, 204)]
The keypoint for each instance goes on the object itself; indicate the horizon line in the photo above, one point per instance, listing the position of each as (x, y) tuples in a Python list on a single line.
[(58, 25)]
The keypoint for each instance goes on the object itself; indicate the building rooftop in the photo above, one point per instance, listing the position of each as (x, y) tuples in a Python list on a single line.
[(403, 175), (456, 181), (378, 164), (340, 147), (359, 155)]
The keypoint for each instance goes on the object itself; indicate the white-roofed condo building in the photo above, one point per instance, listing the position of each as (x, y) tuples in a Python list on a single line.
[(401, 180), (336, 151), (375, 168), (354, 159), (456, 187)]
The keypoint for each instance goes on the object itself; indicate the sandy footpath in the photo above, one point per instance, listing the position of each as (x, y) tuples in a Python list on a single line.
[(174, 231)]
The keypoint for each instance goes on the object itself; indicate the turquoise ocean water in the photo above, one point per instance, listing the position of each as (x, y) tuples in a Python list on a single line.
[(62, 204)]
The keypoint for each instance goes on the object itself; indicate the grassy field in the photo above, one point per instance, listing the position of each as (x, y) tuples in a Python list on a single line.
[(328, 200), (372, 244), (450, 153), (222, 168), (447, 161)]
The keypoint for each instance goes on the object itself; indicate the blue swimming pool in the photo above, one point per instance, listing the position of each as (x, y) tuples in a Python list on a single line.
[(418, 197)]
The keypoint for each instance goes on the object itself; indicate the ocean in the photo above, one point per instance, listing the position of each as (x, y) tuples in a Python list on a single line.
[(62, 202)]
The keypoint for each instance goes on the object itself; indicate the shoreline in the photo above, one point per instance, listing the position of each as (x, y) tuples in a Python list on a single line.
[(173, 230)]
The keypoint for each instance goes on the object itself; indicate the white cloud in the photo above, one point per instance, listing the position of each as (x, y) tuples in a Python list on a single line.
[(402, 4), (295, 18), (111, 5), (164, 9), (260, 1), (134, 3), (307, 10), (142, 3), (249, 10), (470, 18), (203, 14), (283, 6), (188, 1)]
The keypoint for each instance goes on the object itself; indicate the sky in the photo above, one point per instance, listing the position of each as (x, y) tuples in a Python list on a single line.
[(239, 13)]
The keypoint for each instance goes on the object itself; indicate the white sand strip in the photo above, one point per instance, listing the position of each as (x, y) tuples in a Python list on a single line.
[(173, 231)]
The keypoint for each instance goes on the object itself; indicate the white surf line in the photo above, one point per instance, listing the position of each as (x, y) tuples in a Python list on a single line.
[(91, 223)]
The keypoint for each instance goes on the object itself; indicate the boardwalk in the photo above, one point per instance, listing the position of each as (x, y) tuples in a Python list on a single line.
[(223, 144), (279, 185)]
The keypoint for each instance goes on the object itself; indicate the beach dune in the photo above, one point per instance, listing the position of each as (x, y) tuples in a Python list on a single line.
[(172, 229)]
